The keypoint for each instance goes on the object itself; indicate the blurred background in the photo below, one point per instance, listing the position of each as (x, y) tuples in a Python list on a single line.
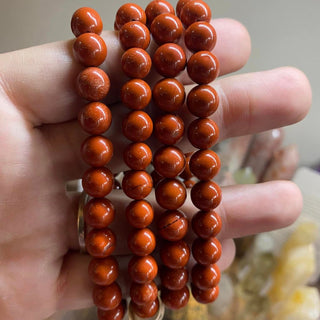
[(283, 33)]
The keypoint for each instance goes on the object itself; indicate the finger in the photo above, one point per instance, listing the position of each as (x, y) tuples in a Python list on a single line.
[(40, 80), (249, 103)]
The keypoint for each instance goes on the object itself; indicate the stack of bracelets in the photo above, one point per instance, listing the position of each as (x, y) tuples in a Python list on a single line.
[(173, 170)]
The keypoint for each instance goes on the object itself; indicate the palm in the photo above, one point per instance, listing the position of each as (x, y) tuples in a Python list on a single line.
[(40, 138)]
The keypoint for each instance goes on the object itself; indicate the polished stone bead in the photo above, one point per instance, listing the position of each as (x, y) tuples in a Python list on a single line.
[(206, 251), (203, 133), (172, 225), (157, 7), (156, 177), (205, 277), (206, 195), (95, 118), (187, 174), (92, 84), (174, 279), (143, 293), (168, 95), (103, 271), (139, 213), (169, 129), (193, 11), (96, 151), (137, 126), (136, 94), (137, 184), (129, 12), (166, 28), (136, 63), (206, 224), (169, 60), (134, 34), (203, 67), (203, 101), (175, 299), (180, 5), (99, 213), (100, 243), (205, 164), (205, 296), (86, 20), (147, 310), (113, 314), (142, 269), (189, 183), (90, 49), (175, 254), (97, 182), (141, 242), (137, 156), (107, 297), (170, 194)]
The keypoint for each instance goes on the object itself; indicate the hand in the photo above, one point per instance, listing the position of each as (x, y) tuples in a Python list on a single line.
[(41, 269)]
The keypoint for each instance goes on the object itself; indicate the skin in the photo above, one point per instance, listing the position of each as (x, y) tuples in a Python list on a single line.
[(41, 269)]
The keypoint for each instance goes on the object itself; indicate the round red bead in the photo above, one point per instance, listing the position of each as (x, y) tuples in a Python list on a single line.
[(86, 20), (147, 310), (205, 277), (142, 269), (137, 156), (174, 279), (95, 118), (203, 133), (139, 213), (193, 11), (136, 63), (206, 224), (136, 94), (93, 84), (170, 194), (143, 293), (107, 297), (169, 60), (203, 67), (99, 213), (100, 243), (134, 34), (129, 12), (97, 182), (157, 7), (137, 184), (175, 299), (205, 296), (103, 271), (206, 251), (141, 242), (180, 5), (187, 174), (169, 129), (113, 314), (175, 255)]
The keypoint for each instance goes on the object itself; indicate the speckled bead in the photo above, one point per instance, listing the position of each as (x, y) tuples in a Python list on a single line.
[(169, 129), (137, 184), (136, 94), (141, 242), (205, 296), (157, 7), (134, 34), (100, 243), (143, 293), (175, 299), (103, 271), (129, 12), (206, 224), (174, 279), (142, 269), (205, 277), (139, 213), (107, 297), (193, 11), (147, 310), (137, 156), (175, 255), (206, 251)]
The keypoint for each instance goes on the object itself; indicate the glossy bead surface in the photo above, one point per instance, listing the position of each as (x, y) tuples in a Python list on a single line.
[(205, 164), (203, 101), (129, 12), (189, 183), (168, 95), (145, 310), (137, 184), (156, 177), (203, 67), (136, 63), (174, 279), (136, 94), (137, 126), (200, 36), (137, 156), (175, 299), (99, 212), (169, 129), (172, 225), (97, 182), (143, 293), (206, 251), (139, 213), (193, 11), (166, 28), (95, 118), (86, 20), (157, 7), (170, 194), (96, 151), (141, 242), (180, 5), (103, 271), (206, 224), (100, 243), (134, 34), (175, 255), (93, 84), (205, 277), (107, 297), (203, 133), (187, 174), (169, 161), (205, 296), (113, 314), (89, 49), (142, 269), (206, 195), (169, 60)]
